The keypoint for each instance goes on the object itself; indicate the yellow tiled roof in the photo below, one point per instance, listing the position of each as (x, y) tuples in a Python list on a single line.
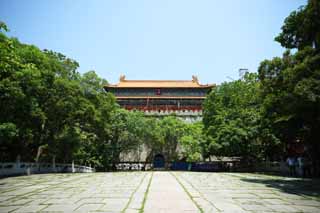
[(194, 83)]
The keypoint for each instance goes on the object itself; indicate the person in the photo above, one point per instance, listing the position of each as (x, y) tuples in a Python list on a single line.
[(291, 161), (307, 167), (301, 165)]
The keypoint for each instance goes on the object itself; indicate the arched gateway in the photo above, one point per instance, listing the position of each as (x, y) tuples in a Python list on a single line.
[(158, 161)]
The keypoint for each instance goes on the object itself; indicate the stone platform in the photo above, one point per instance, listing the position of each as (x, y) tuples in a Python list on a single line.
[(158, 192)]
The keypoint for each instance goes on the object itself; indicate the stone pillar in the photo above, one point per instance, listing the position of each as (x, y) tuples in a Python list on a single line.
[(54, 164), (29, 170), (18, 162)]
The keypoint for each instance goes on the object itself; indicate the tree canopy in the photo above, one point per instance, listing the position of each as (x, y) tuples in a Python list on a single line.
[(291, 83), (233, 121)]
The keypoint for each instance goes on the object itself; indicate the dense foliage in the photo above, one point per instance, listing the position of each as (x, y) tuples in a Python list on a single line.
[(233, 121), (291, 84), (263, 114), (49, 110)]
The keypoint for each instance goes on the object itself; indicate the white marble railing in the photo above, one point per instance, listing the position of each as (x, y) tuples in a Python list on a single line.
[(178, 113), (20, 168)]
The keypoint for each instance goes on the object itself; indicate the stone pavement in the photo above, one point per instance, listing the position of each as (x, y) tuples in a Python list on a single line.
[(167, 195), (238, 192), (158, 192)]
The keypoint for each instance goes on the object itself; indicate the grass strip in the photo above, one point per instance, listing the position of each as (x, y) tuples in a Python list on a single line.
[(146, 195), (188, 193), (132, 194)]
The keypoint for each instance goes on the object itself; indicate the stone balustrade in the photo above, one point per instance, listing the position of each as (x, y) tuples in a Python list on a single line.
[(27, 168), (178, 113)]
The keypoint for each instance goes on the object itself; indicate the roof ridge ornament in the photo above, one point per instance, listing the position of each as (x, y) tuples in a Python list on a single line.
[(122, 78), (195, 79)]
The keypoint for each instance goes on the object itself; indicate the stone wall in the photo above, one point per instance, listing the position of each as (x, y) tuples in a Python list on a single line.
[(186, 115)]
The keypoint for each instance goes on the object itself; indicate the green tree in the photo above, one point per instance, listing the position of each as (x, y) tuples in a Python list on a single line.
[(192, 142), (232, 120), (153, 137), (48, 110), (172, 129), (291, 84), (126, 133), (302, 27), (291, 91)]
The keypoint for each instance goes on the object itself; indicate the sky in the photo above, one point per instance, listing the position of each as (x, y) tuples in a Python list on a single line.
[(154, 39)]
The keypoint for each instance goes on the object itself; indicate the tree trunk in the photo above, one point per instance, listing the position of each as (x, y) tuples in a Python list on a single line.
[(38, 154)]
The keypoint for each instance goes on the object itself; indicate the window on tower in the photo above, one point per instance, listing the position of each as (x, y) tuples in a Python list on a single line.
[(158, 92)]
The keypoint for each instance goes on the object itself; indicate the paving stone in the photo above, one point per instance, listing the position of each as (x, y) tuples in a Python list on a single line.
[(308, 209), (114, 205), (18, 202), (8, 208), (255, 207), (5, 198), (306, 202), (59, 201), (92, 200), (205, 205), (168, 192), (132, 211), (271, 196), (88, 207), (228, 207), (275, 201), (249, 201), (30, 208), (254, 193), (39, 201), (283, 208), (60, 208)]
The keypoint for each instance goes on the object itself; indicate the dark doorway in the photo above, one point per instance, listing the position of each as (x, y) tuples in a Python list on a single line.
[(158, 161)]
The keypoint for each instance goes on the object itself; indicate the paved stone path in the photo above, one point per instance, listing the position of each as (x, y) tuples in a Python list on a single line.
[(227, 192), (167, 195), (158, 192)]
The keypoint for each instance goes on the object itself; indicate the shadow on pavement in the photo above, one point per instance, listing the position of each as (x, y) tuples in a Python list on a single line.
[(306, 187)]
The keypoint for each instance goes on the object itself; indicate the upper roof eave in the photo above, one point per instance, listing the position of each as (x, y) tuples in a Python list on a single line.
[(159, 86), (201, 86), (124, 83)]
